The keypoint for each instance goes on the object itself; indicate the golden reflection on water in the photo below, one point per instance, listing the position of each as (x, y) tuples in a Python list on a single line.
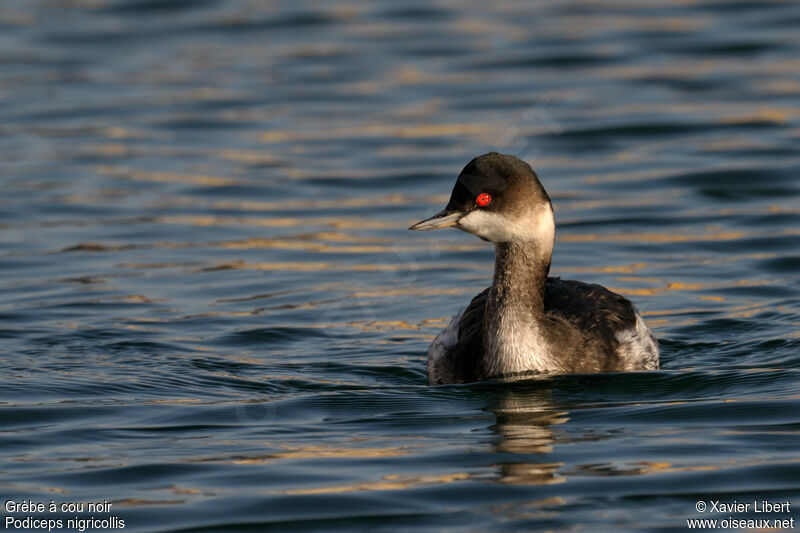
[(20, 488), (388, 482), (306, 243), (531, 510), (327, 266), (712, 234), (166, 177), (419, 131), (118, 149), (312, 452), (137, 502)]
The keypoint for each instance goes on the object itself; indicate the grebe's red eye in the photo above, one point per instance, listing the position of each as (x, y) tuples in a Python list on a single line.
[(483, 199)]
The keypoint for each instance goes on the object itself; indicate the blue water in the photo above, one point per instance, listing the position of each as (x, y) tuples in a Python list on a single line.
[(213, 317)]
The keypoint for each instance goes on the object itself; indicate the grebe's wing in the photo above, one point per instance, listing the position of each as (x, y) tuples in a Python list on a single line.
[(609, 321), (454, 353)]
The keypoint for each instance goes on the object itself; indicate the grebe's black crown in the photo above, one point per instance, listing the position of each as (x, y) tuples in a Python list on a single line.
[(509, 180)]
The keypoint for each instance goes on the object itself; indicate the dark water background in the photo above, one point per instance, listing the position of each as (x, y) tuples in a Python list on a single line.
[(212, 314)]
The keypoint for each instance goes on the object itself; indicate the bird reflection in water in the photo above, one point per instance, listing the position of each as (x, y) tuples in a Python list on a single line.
[(527, 421)]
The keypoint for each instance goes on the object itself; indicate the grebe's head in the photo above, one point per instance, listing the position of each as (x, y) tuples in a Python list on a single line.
[(498, 198)]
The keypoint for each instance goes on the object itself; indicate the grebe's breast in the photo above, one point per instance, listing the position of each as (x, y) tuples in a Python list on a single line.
[(585, 328)]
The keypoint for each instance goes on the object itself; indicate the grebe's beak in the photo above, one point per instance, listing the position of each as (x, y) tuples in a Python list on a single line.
[(445, 218)]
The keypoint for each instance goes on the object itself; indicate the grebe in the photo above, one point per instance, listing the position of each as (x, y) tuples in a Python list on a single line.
[(526, 321)]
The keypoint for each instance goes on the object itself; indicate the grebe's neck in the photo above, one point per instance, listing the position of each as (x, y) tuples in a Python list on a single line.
[(513, 320), (522, 262), (520, 275)]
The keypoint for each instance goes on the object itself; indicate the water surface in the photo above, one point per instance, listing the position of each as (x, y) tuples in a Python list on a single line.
[(213, 316)]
